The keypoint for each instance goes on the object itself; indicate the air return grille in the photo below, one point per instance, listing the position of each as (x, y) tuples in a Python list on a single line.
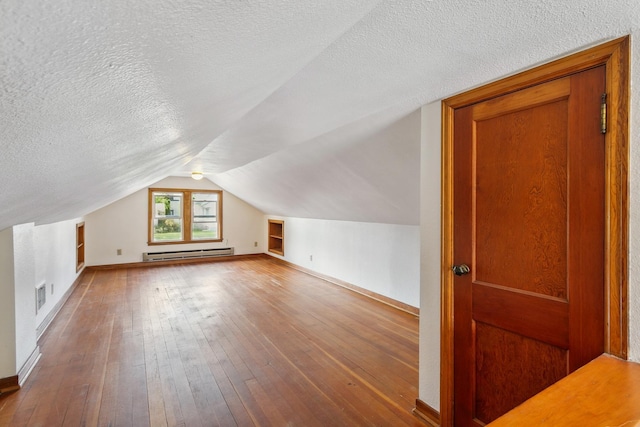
[(41, 296)]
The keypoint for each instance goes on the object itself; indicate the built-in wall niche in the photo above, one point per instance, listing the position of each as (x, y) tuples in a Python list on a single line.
[(276, 237), (79, 246)]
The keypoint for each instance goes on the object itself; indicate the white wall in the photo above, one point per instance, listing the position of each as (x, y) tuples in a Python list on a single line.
[(17, 314), (7, 306), (25, 304), (31, 255), (55, 259), (430, 265), (383, 258), (123, 225)]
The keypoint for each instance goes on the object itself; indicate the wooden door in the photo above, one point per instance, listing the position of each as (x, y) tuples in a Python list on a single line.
[(529, 222)]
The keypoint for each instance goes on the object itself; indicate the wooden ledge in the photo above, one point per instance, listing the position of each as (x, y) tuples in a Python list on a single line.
[(604, 392)]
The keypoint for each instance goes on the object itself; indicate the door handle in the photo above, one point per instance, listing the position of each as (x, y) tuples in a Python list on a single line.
[(460, 270)]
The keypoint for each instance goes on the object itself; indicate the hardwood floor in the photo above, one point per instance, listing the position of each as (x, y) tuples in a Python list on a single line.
[(247, 342)]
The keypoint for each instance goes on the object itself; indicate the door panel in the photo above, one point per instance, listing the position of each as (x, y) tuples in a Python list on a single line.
[(502, 356), (520, 312), (521, 205), (529, 220)]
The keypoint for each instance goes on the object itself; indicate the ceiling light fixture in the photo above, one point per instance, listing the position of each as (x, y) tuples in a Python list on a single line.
[(197, 175)]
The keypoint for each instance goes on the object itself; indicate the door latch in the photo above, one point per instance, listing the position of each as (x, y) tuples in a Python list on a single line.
[(460, 270)]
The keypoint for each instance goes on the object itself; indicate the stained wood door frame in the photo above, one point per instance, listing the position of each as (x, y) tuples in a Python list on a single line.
[(615, 56)]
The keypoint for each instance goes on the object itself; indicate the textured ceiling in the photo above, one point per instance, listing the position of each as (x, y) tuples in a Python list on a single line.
[(300, 108)]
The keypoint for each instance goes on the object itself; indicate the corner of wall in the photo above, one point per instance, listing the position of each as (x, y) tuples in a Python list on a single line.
[(430, 201), (24, 276), (7, 306)]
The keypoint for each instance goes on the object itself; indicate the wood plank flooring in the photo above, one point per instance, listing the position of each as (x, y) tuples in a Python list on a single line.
[(247, 342)]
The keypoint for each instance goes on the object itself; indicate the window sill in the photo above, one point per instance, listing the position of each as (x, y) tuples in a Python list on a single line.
[(184, 242)]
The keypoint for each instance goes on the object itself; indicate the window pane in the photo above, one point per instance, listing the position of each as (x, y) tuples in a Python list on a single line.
[(204, 224), (167, 217), (166, 230), (167, 205)]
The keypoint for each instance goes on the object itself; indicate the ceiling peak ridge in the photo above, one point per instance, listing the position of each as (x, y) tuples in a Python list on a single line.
[(291, 76), (390, 115)]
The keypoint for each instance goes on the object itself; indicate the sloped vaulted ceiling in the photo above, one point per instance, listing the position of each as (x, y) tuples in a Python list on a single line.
[(302, 108)]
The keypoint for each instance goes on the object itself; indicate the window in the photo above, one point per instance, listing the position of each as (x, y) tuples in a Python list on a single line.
[(184, 216)]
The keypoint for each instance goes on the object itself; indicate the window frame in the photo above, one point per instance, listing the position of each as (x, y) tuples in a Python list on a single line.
[(186, 217)]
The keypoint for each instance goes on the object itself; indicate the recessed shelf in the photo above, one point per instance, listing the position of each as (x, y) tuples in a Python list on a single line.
[(79, 246), (276, 237)]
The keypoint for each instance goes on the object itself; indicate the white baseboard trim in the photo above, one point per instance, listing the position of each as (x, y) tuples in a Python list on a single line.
[(28, 366)]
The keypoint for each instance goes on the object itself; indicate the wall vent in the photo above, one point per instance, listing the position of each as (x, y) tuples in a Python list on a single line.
[(41, 296), (196, 253)]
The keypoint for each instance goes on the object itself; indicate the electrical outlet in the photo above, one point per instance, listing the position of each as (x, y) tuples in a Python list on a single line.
[(255, 244), (118, 251), (52, 289), (310, 257)]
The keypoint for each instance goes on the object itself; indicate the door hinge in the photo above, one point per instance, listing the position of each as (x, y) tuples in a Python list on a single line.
[(603, 113)]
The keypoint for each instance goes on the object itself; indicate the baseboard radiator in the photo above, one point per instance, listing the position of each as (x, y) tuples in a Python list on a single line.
[(195, 253)]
